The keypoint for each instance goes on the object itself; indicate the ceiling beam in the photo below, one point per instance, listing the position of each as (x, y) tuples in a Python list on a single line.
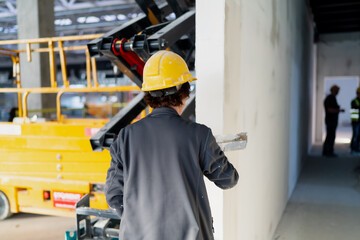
[(332, 3), (334, 29), (339, 30), (332, 12), (349, 19)]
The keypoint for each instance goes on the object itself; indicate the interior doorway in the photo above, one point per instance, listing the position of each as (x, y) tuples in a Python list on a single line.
[(348, 86)]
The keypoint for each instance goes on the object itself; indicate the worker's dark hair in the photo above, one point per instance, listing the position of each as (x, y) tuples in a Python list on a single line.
[(170, 100)]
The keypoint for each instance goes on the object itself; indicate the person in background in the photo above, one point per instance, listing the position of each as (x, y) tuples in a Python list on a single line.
[(355, 105), (13, 113), (332, 110)]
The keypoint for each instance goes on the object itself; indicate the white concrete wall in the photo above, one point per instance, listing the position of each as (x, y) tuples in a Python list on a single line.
[(253, 62), (337, 55)]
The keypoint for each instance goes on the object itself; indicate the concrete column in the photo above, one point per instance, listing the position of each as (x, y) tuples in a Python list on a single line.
[(35, 19), (210, 89)]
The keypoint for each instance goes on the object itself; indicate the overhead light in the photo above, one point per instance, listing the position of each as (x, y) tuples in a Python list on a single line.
[(81, 19), (109, 18), (121, 17), (64, 21), (171, 16), (132, 15), (92, 19)]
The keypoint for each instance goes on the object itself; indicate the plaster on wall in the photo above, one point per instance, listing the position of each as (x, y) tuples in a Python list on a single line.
[(210, 84), (260, 76)]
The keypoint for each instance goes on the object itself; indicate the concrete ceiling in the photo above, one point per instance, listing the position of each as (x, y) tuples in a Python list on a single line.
[(336, 16)]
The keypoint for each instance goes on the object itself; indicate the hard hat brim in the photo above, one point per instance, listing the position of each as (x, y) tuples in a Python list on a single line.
[(144, 89)]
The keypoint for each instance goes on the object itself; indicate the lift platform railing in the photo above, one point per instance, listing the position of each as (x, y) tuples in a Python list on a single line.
[(54, 45)]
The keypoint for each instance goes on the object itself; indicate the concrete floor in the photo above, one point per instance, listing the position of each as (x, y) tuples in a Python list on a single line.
[(25, 226), (326, 201)]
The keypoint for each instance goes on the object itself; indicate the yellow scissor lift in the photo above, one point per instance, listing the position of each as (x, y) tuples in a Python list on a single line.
[(48, 165)]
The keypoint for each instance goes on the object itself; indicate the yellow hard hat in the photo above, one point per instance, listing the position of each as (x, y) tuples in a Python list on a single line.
[(165, 69)]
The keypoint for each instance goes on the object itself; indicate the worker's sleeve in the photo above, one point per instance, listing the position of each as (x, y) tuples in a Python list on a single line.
[(326, 103), (215, 165), (114, 186)]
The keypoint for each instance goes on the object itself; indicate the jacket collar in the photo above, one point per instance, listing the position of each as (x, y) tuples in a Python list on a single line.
[(164, 111)]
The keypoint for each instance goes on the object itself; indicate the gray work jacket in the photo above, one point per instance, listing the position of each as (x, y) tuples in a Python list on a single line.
[(155, 181)]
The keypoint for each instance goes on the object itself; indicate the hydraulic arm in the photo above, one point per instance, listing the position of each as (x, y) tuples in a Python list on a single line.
[(130, 45)]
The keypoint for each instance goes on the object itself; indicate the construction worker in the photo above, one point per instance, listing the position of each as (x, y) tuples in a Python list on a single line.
[(355, 105), (332, 110), (155, 181)]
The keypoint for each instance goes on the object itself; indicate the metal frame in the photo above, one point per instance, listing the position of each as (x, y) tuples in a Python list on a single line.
[(102, 226), (166, 36), (104, 45), (178, 6), (162, 36), (151, 10), (107, 134)]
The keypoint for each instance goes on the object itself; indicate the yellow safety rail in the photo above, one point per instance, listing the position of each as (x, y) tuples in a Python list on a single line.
[(91, 70)]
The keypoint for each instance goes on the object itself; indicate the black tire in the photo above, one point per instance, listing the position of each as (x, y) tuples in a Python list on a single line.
[(4, 206)]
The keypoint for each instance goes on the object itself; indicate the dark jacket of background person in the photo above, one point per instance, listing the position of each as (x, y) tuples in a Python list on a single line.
[(332, 110), (331, 118), (12, 114), (156, 183)]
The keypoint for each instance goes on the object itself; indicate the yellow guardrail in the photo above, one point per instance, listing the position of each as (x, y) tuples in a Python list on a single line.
[(91, 70), (52, 110)]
